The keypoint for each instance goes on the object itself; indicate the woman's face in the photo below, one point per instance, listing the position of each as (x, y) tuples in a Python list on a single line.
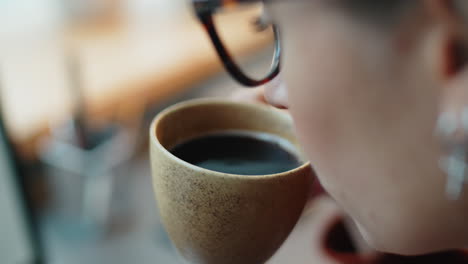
[(365, 100)]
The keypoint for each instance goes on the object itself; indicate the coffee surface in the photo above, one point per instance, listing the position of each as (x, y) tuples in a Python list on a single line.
[(238, 154)]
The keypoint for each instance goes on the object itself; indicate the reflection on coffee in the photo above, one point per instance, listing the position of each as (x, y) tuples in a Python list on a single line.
[(239, 152)]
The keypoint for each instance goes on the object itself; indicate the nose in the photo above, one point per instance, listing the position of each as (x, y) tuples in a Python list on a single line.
[(276, 93)]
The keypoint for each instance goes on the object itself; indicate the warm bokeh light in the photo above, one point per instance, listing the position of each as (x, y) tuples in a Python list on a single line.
[(80, 82)]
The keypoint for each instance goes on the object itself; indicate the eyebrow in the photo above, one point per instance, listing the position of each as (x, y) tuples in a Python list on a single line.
[(209, 6), (226, 1)]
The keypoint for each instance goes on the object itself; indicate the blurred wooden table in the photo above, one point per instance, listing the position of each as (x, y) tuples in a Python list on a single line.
[(125, 66)]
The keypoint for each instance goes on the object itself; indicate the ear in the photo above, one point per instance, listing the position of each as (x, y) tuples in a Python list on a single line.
[(451, 50), (452, 16)]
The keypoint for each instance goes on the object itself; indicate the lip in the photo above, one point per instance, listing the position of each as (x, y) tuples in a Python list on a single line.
[(279, 106)]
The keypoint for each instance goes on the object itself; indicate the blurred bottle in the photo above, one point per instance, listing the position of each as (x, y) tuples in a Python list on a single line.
[(19, 240)]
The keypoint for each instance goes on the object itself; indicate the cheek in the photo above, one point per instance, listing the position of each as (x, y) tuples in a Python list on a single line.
[(321, 72), (369, 134)]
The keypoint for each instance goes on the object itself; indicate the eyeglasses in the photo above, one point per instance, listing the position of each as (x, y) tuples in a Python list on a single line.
[(205, 11)]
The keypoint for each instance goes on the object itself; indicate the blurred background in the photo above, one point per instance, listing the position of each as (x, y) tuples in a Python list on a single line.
[(80, 81)]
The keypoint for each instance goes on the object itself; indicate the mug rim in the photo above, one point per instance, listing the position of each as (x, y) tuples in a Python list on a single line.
[(203, 101)]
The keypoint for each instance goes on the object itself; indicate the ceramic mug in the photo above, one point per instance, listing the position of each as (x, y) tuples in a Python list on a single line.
[(214, 217)]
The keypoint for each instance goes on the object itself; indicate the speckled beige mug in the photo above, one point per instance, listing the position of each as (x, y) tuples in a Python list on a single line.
[(220, 218)]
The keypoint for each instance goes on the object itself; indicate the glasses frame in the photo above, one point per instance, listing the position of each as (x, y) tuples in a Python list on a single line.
[(204, 10)]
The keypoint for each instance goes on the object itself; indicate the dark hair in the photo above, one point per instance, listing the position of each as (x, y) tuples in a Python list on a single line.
[(378, 11)]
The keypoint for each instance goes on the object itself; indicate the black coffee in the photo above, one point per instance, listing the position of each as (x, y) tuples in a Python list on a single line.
[(245, 154)]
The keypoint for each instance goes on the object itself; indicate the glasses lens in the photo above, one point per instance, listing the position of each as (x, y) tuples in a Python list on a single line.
[(248, 36)]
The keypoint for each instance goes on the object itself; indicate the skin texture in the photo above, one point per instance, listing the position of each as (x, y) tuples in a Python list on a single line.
[(365, 100)]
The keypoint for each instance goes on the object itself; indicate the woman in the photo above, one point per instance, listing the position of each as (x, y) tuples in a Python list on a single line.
[(377, 90)]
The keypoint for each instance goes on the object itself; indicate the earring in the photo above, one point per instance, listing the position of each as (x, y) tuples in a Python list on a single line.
[(452, 128)]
